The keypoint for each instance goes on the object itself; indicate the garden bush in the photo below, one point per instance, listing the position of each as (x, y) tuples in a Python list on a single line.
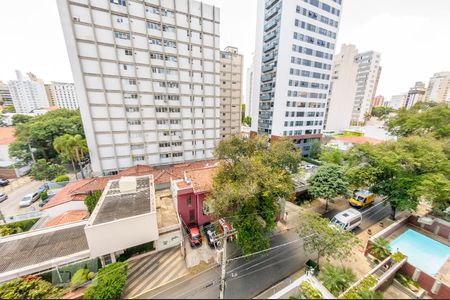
[(308, 291), (136, 250), (362, 290), (62, 178), (91, 200), (17, 227), (81, 276), (109, 282), (30, 287), (337, 279), (398, 256), (44, 195)]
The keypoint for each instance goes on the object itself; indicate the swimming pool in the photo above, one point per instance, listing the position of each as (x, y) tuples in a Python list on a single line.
[(423, 252)]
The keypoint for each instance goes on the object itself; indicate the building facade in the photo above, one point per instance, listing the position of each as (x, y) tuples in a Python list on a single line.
[(415, 95), (64, 95), (294, 49), (50, 95), (147, 78), (353, 88), (27, 95), (378, 101), (231, 63), (5, 94), (398, 101), (250, 77), (439, 88)]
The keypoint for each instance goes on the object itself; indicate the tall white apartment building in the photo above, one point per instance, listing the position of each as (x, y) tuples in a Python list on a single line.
[(295, 44), (439, 88), (147, 77), (231, 92), (416, 94), (353, 89), (398, 101), (5, 94), (27, 95), (64, 95)]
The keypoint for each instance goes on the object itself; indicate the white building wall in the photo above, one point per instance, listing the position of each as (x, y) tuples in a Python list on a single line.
[(439, 88), (57, 210), (398, 101), (139, 96), (292, 95), (64, 94), (27, 95)]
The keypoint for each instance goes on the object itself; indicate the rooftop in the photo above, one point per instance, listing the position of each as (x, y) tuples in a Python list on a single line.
[(166, 212), (114, 205), (67, 217), (42, 246), (7, 135), (201, 179)]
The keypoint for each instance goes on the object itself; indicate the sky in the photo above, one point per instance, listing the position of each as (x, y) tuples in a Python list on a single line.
[(411, 35)]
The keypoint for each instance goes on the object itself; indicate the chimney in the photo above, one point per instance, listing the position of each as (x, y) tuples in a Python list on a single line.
[(127, 185)]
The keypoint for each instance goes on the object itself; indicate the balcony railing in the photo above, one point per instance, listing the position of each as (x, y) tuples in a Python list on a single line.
[(266, 97), (270, 47), (270, 36), (271, 24), (267, 68), (266, 88), (268, 58), (271, 3), (272, 13), (266, 78)]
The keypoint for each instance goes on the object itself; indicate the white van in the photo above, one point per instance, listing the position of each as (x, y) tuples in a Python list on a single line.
[(348, 219)]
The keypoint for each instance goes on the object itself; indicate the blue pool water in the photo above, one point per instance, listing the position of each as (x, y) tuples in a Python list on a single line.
[(422, 251)]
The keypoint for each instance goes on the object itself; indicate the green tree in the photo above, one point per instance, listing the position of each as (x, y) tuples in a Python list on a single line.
[(327, 241), (380, 248), (328, 183), (20, 119), (43, 170), (253, 177), (41, 131), (109, 282), (30, 287), (422, 119), (316, 149), (247, 121), (381, 112), (8, 109), (73, 147), (337, 279), (400, 170), (92, 200), (332, 155)]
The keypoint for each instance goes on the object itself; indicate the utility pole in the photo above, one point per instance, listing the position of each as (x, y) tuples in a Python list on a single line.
[(224, 263), (31, 151)]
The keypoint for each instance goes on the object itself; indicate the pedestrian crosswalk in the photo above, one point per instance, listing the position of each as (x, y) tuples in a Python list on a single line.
[(154, 271)]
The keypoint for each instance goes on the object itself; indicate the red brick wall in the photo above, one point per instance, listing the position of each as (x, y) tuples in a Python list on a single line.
[(444, 292), (426, 282)]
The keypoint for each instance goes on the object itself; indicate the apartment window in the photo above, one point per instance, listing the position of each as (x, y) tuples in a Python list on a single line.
[(128, 52), (161, 109), (165, 155), (132, 81), (155, 41), (138, 158), (162, 122), (122, 35), (178, 154), (164, 145), (174, 109), (189, 201), (134, 122), (121, 20), (118, 2), (137, 147), (132, 109), (153, 25), (171, 44), (125, 67)]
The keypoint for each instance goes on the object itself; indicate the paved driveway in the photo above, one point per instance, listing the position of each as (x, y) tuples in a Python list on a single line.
[(10, 206)]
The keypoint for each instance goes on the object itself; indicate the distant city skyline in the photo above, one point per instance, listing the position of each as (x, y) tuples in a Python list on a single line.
[(409, 38)]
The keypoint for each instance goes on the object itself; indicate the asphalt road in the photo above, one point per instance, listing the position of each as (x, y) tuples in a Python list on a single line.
[(245, 279), (10, 206)]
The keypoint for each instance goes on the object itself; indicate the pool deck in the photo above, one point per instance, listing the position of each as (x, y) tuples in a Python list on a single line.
[(444, 273)]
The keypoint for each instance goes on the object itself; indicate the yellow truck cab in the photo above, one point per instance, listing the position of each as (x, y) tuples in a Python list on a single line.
[(362, 198)]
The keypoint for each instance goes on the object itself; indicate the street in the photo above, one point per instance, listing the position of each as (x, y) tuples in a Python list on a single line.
[(246, 279), (10, 206)]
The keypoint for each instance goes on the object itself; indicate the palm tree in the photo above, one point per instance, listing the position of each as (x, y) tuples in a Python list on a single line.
[(380, 248), (337, 279), (73, 147)]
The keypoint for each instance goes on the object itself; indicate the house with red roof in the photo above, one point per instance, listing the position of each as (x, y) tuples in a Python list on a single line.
[(7, 170), (345, 143), (190, 194)]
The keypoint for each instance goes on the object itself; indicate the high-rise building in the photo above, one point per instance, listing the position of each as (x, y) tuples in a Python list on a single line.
[(50, 95), (147, 77), (231, 92), (64, 95), (295, 42), (378, 101), (353, 89), (439, 88), (249, 88), (416, 94), (398, 101), (5, 94), (28, 95)]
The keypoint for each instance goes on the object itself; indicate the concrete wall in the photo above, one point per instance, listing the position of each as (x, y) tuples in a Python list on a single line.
[(118, 235), (62, 208), (168, 240)]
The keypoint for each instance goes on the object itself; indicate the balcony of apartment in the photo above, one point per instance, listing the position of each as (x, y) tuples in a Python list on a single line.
[(266, 88), (266, 97), (267, 68), (269, 47), (272, 12), (271, 3), (268, 58), (271, 24), (270, 36), (264, 106), (266, 78)]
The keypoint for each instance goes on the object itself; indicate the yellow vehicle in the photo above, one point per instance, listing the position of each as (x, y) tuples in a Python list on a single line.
[(362, 198)]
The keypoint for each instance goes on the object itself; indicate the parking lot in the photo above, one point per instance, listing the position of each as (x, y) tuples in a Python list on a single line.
[(16, 190)]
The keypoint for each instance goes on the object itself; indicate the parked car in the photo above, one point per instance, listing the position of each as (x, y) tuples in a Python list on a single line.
[(348, 219), (211, 235), (362, 198), (230, 230), (29, 199), (309, 167), (43, 188), (3, 197), (4, 182), (44, 201), (195, 238)]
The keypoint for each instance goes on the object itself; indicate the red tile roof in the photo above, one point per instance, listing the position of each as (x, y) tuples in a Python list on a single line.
[(359, 140), (67, 217), (7, 135), (202, 179)]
